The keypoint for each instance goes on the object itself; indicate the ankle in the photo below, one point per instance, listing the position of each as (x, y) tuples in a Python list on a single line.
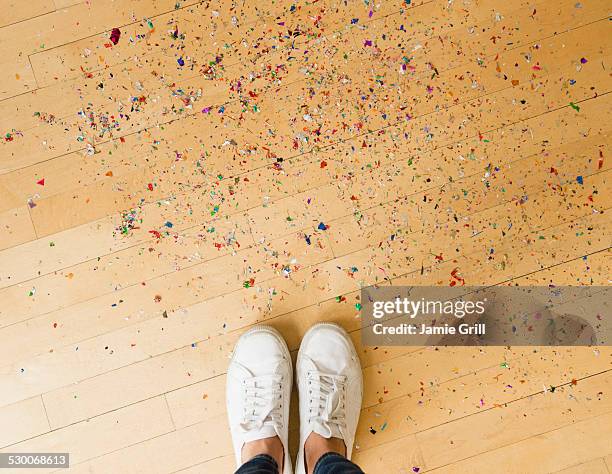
[(316, 446), (270, 446)]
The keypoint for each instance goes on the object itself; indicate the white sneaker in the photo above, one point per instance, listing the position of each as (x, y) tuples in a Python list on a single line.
[(259, 381), (330, 387)]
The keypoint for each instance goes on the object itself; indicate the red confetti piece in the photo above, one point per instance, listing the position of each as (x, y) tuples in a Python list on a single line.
[(88, 75), (115, 35), (456, 278)]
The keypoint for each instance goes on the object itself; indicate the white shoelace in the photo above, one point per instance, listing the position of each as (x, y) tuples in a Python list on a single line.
[(263, 402), (326, 399)]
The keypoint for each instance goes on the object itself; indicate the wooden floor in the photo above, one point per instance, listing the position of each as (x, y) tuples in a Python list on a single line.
[(227, 163)]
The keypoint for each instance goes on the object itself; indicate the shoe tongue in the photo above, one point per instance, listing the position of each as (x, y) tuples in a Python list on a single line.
[(266, 431)]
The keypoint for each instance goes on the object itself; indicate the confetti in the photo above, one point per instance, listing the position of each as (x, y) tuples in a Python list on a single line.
[(115, 35)]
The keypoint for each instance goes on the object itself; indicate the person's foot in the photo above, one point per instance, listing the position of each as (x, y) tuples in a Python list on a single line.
[(330, 390), (258, 391)]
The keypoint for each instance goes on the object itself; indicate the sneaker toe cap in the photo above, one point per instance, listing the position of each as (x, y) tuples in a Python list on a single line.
[(332, 351), (261, 352)]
